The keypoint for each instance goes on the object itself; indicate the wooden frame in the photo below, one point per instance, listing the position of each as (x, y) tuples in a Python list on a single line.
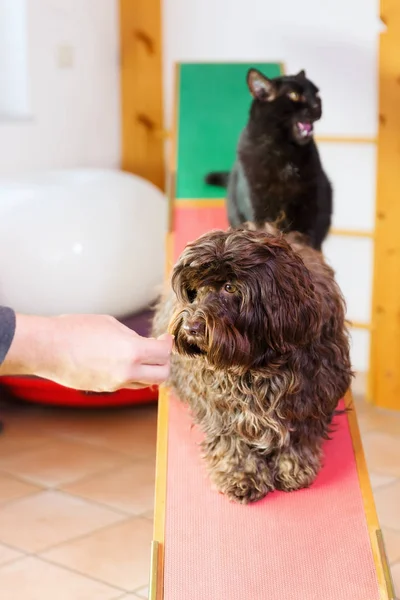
[(386, 588), (384, 372), (156, 580)]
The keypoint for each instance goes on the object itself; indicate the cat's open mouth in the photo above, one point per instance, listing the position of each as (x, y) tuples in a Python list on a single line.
[(303, 131)]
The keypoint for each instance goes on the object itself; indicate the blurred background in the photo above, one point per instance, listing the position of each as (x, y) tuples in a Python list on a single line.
[(86, 119)]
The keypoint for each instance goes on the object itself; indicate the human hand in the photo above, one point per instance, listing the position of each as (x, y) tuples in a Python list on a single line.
[(87, 352)]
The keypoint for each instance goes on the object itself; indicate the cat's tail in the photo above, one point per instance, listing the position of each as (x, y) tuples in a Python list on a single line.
[(219, 178)]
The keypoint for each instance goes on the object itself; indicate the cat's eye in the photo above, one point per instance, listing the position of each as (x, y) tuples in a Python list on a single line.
[(230, 288), (294, 96)]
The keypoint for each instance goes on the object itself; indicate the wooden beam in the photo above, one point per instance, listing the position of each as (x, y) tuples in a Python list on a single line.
[(375, 534), (141, 89), (385, 342), (352, 233), (156, 579), (338, 139), (360, 325)]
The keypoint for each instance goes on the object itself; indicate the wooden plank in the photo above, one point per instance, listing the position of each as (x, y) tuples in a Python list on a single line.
[(157, 576), (342, 139), (361, 325), (384, 380), (173, 155), (381, 564), (358, 233), (156, 579), (141, 89)]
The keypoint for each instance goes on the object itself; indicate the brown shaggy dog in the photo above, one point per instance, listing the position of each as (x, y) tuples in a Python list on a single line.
[(262, 356)]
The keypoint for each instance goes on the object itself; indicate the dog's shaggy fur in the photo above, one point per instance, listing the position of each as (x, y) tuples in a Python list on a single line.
[(261, 356)]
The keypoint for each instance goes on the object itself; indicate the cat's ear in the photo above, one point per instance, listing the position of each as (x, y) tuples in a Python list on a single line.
[(260, 86), (301, 74)]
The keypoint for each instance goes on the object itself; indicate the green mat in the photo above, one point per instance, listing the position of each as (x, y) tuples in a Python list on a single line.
[(214, 102)]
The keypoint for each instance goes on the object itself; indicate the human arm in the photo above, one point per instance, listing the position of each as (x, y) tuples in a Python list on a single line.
[(86, 352)]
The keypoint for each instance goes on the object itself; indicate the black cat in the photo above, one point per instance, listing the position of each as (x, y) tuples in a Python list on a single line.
[(278, 176)]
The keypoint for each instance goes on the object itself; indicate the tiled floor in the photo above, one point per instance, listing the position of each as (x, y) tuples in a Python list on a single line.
[(76, 499), (76, 502)]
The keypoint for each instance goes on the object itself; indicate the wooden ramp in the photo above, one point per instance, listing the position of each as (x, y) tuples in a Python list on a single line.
[(323, 543)]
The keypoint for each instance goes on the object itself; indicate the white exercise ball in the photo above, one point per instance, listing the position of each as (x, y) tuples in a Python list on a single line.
[(81, 241)]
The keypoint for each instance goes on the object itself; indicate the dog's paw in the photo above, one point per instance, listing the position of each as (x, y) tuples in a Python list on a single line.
[(292, 475), (243, 488)]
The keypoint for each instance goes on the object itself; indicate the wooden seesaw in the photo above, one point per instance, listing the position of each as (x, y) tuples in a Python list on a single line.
[(322, 543)]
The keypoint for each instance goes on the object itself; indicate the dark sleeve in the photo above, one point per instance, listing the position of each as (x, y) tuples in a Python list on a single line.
[(7, 330)]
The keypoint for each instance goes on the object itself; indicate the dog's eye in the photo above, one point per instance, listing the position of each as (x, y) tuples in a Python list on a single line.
[(294, 96), (230, 288), (191, 294)]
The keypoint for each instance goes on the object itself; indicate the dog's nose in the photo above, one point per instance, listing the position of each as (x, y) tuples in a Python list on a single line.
[(193, 328)]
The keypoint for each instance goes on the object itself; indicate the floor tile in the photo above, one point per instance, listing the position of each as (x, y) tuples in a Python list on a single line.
[(16, 440), (137, 443), (8, 554), (49, 518), (395, 570), (11, 488), (132, 432), (385, 421), (378, 480), (143, 593), (59, 462), (26, 419), (46, 421), (382, 452), (365, 422), (128, 488), (118, 555), (392, 544), (34, 579), (387, 501)]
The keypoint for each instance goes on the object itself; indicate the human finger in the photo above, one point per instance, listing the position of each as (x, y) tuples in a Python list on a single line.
[(151, 374), (155, 352)]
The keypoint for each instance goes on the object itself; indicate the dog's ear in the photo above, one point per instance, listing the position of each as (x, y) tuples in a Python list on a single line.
[(261, 88), (291, 305)]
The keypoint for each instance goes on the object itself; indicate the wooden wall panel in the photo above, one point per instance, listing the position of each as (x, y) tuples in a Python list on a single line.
[(141, 89), (385, 347)]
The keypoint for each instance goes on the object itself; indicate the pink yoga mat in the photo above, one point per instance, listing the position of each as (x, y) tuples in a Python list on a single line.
[(310, 544), (191, 221)]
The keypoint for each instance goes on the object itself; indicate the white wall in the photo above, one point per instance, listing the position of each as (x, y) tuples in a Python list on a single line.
[(74, 115), (337, 42)]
